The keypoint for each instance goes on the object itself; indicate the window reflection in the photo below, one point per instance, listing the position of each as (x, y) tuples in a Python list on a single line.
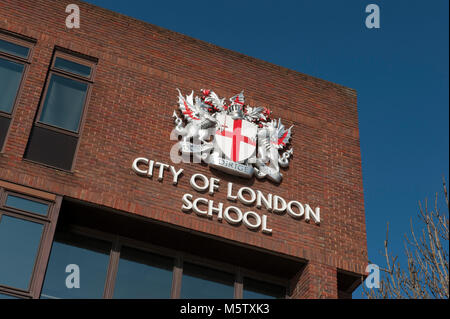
[(142, 275), (206, 283), (64, 103), (14, 49), (10, 77), (255, 289), (92, 258), (72, 67), (19, 243), (26, 205)]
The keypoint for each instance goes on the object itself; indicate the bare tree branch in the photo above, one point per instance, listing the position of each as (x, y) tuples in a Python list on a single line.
[(426, 271)]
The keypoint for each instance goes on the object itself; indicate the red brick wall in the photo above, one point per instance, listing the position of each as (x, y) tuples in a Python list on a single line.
[(129, 115), (315, 281)]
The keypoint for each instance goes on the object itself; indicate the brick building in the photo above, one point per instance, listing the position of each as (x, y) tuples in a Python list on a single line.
[(79, 106)]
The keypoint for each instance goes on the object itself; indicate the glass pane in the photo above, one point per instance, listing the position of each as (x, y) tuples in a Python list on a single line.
[(143, 275), (19, 243), (92, 258), (255, 289), (206, 283), (64, 103), (52, 148), (15, 49), (4, 126), (10, 77), (72, 67), (26, 205), (2, 296)]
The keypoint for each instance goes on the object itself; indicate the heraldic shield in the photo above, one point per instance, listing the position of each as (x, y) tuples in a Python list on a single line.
[(246, 140), (235, 138)]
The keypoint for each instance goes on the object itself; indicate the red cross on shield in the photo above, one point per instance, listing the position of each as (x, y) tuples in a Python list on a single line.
[(236, 138)]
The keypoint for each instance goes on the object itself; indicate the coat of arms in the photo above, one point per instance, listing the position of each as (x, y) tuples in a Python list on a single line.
[(233, 137)]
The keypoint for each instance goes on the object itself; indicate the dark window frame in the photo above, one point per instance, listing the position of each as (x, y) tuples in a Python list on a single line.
[(49, 226), (54, 71), (66, 54), (179, 258), (26, 62)]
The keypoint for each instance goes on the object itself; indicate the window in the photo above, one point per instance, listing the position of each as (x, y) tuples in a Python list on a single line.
[(92, 258), (201, 282), (255, 289), (26, 204), (11, 76), (115, 262), (64, 103), (142, 275), (110, 268), (15, 56), (19, 243), (24, 231), (56, 131), (16, 49)]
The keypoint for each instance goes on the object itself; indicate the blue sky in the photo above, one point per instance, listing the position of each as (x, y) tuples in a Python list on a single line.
[(400, 72)]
